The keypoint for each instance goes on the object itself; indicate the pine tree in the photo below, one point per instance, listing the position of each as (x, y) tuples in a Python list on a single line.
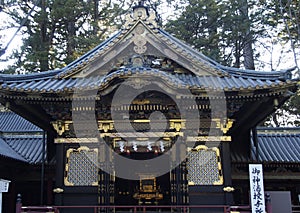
[(198, 26), (59, 31)]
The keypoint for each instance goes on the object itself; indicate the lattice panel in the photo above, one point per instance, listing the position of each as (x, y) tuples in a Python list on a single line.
[(204, 166), (81, 167)]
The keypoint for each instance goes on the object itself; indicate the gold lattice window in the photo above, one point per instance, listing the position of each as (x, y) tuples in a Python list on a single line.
[(81, 167), (204, 166)]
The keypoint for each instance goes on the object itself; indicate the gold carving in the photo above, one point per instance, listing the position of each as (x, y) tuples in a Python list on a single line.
[(220, 181), (76, 140), (106, 125), (191, 183), (67, 166), (58, 190), (61, 126), (224, 126), (209, 138), (141, 102), (198, 148), (148, 189), (228, 189), (177, 124)]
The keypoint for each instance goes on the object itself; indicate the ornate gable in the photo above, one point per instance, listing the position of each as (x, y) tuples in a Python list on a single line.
[(141, 44)]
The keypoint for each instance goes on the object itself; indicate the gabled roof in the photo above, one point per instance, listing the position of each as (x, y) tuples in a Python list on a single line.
[(125, 54), (140, 36)]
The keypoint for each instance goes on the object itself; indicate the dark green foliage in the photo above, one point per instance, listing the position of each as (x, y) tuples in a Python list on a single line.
[(198, 26), (59, 31)]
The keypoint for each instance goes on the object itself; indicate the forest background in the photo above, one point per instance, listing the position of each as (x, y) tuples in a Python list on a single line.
[(247, 34)]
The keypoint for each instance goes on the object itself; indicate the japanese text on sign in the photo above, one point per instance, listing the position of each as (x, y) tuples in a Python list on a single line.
[(257, 188)]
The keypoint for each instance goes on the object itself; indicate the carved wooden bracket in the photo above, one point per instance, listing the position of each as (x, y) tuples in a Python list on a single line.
[(61, 126), (224, 125), (177, 124), (106, 125)]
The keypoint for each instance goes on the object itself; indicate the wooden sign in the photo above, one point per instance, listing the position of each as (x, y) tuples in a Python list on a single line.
[(257, 188)]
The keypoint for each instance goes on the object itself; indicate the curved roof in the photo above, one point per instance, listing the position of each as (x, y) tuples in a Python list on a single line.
[(141, 36), (227, 83)]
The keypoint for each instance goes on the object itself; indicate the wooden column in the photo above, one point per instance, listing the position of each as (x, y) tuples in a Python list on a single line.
[(106, 188), (178, 179), (59, 184), (227, 171)]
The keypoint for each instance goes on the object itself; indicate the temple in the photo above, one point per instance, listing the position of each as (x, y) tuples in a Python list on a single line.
[(144, 119)]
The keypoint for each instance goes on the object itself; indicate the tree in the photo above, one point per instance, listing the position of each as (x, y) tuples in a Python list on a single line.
[(222, 30), (198, 26), (283, 15), (59, 31)]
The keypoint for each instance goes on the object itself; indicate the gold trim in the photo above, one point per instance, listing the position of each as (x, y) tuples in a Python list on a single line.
[(209, 138), (228, 189), (106, 125), (68, 153), (58, 190), (177, 124), (140, 134), (217, 151), (141, 121), (76, 140), (191, 183), (141, 102), (199, 147), (61, 126), (225, 125)]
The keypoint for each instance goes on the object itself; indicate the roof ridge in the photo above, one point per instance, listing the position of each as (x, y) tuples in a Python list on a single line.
[(29, 76), (275, 74)]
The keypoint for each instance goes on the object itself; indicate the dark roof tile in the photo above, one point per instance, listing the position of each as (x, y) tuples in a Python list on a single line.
[(7, 151), (11, 122), (279, 147), (182, 80), (29, 147)]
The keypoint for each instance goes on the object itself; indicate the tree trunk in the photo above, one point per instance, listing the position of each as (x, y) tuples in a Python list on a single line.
[(44, 46), (71, 45), (248, 38), (96, 17)]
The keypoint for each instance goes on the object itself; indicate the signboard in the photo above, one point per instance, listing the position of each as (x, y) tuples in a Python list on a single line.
[(4, 185), (3, 188), (257, 188)]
